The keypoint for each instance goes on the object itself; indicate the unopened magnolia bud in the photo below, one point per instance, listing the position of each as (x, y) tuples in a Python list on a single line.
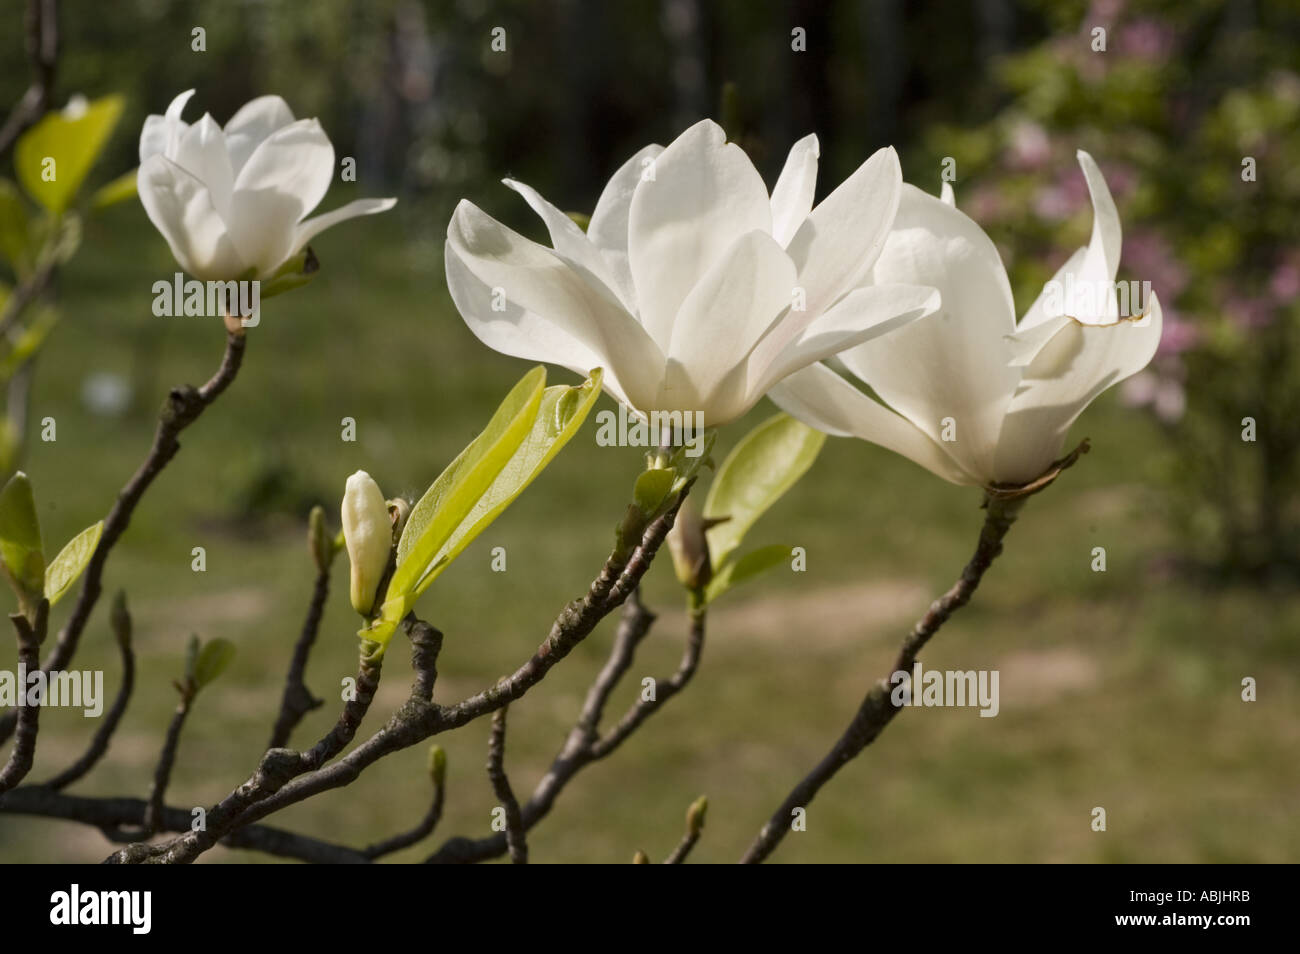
[(119, 618), (437, 764), (368, 535), (398, 510), (640, 858), (689, 547), (319, 540), (695, 816)]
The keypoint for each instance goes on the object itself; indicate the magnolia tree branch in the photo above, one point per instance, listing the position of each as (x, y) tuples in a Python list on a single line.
[(30, 636), (104, 734), (121, 818), (297, 700), (163, 772), (584, 744), (496, 770), (418, 718), (43, 54), (276, 768), (417, 834), (181, 409), (878, 709)]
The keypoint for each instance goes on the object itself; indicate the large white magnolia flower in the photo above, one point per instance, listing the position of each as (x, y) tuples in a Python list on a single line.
[(971, 395), (692, 287), (233, 200)]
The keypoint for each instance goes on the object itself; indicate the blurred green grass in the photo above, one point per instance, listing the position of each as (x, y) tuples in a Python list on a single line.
[(1119, 689)]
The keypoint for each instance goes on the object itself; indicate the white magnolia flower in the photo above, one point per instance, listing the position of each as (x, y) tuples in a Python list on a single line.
[(234, 199), (968, 393), (368, 535), (692, 287)]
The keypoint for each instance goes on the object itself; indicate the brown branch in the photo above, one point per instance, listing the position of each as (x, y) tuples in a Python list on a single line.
[(418, 719), (30, 633), (297, 700), (514, 832), (163, 771), (584, 745), (121, 818), (121, 621), (427, 824), (181, 409), (42, 23), (878, 709)]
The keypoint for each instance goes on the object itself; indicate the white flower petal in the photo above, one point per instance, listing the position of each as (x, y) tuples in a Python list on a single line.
[(725, 315), (310, 228), (181, 208), (161, 133), (792, 196), (705, 194), (283, 180), (955, 363), (201, 151), (822, 399), (861, 315), (946, 195), (1077, 364), (838, 242), (607, 229), (254, 123), (536, 280), (572, 244)]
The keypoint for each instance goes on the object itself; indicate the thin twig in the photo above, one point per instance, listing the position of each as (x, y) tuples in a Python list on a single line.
[(514, 832), (121, 819), (181, 409), (878, 708), (418, 719), (584, 745), (163, 771), (297, 700), (43, 54), (121, 621), (421, 831), (30, 635), (694, 828)]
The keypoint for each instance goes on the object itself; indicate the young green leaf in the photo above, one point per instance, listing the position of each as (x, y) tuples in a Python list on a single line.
[(15, 236), (764, 465), (451, 497), (20, 538), (54, 156), (745, 568), (652, 489), (71, 561), (559, 415), (111, 193), (212, 661)]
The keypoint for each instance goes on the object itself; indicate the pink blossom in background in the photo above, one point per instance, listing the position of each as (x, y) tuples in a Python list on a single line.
[(1249, 313), (1147, 39), (1149, 257), (1284, 284), (1030, 146)]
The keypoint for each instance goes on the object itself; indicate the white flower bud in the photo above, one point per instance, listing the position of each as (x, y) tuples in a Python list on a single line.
[(368, 533)]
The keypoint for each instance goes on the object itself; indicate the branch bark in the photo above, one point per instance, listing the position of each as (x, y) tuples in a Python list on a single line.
[(514, 833), (30, 633), (878, 709)]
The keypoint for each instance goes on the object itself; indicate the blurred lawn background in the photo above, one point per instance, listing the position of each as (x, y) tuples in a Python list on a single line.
[(1119, 689)]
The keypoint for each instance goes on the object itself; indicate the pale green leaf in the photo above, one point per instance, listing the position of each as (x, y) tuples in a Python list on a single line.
[(71, 561), (111, 193), (453, 495), (652, 489), (764, 465), (20, 535), (212, 661), (73, 142), (745, 568), (15, 234), (560, 413)]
